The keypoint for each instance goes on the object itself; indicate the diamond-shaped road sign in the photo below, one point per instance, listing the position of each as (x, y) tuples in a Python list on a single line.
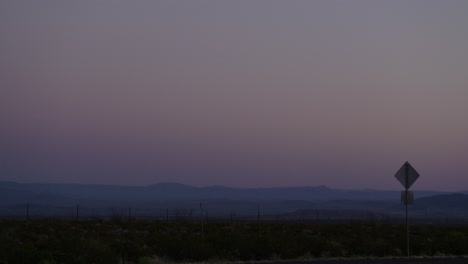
[(407, 175)]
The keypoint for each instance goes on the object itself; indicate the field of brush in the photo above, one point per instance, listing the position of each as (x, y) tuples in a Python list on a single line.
[(138, 241)]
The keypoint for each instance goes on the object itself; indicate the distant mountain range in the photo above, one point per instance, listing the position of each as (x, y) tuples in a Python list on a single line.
[(48, 199)]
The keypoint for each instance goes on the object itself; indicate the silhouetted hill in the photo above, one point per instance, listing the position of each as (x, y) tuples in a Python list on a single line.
[(177, 191), (170, 186), (444, 205), (456, 200), (158, 198)]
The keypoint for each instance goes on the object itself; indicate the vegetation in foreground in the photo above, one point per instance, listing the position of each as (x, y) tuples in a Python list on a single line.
[(137, 241)]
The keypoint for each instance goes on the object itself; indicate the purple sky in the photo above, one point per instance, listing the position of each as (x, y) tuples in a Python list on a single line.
[(236, 93)]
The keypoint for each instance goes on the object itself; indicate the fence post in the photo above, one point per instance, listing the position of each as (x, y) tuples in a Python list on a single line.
[(258, 213), (202, 224), (27, 211)]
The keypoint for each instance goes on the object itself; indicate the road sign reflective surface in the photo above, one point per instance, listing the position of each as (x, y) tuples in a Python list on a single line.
[(407, 175)]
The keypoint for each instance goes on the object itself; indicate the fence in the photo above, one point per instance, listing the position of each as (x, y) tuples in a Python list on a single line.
[(79, 212)]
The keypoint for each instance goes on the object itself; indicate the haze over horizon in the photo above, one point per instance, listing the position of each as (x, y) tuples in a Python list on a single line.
[(234, 93), (174, 184)]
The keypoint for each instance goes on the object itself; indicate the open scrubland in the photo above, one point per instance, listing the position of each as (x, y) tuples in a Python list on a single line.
[(138, 241)]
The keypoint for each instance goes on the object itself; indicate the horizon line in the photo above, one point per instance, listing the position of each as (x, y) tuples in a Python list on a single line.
[(230, 187)]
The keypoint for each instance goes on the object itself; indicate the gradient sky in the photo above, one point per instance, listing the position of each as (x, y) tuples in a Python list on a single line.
[(236, 93)]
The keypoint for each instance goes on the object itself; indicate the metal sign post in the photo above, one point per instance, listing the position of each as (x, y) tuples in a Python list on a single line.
[(407, 175), (406, 207)]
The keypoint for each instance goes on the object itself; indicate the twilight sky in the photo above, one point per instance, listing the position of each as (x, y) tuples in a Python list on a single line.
[(237, 93)]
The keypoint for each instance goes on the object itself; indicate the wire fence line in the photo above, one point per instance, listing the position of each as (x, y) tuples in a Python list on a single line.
[(77, 211), (120, 213)]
